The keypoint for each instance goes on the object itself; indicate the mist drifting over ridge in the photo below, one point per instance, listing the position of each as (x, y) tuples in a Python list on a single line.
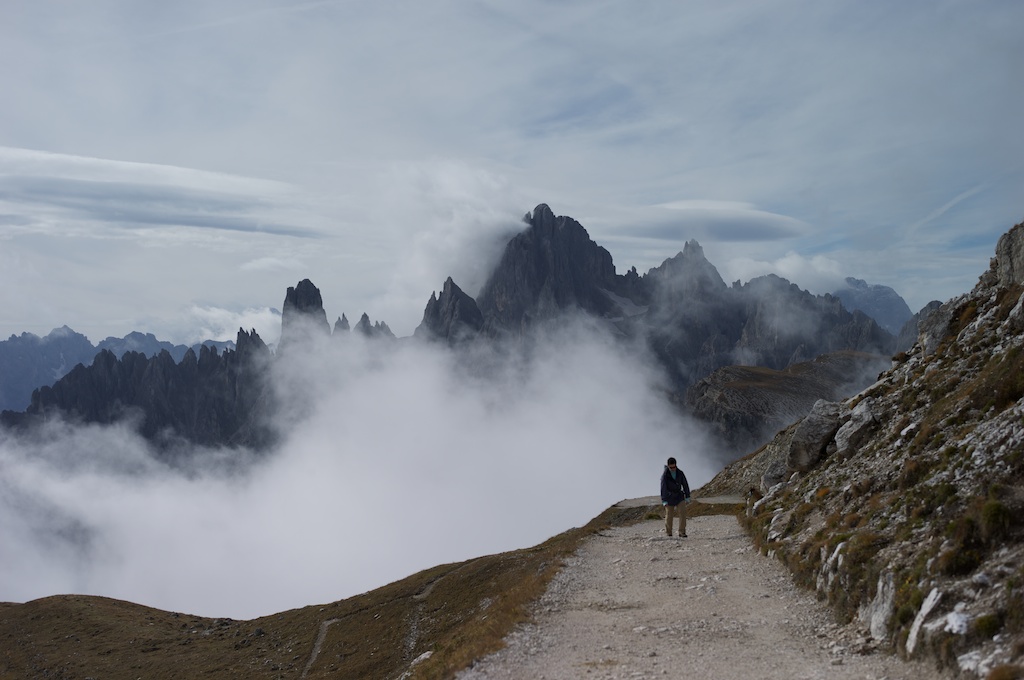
[(387, 456), (394, 457)]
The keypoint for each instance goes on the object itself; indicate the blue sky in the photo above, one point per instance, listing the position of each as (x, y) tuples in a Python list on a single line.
[(174, 167)]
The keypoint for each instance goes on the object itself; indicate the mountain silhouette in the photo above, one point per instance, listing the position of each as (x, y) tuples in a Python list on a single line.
[(681, 313)]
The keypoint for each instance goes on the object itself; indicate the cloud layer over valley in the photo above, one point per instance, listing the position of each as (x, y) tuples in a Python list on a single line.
[(396, 458)]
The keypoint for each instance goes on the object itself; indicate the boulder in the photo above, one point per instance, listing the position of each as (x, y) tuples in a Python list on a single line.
[(813, 435), (775, 474), (876, 614), (857, 430), (911, 330)]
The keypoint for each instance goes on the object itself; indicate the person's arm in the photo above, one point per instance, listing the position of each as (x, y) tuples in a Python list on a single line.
[(686, 485)]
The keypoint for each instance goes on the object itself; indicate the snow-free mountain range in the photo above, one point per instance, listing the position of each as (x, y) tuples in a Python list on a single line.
[(901, 503), (745, 358)]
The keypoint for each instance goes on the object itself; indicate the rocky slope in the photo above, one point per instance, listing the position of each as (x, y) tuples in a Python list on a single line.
[(903, 505)]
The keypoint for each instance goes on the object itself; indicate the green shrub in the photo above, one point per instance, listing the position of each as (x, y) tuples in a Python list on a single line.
[(987, 626), (914, 470), (959, 562), (996, 521)]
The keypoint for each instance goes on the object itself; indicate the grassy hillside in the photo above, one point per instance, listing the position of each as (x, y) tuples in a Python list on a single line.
[(445, 617)]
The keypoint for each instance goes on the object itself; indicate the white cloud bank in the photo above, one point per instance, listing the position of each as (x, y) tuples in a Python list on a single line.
[(407, 460)]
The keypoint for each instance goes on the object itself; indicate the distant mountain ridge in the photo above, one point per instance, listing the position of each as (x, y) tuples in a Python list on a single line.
[(208, 398), (28, 361), (901, 506), (691, 320), (881, 303), (688, 319)]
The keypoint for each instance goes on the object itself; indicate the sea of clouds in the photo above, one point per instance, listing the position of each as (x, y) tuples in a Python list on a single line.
[(395, 457)]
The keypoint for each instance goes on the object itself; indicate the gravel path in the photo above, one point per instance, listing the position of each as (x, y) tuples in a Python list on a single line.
[(634, 603)]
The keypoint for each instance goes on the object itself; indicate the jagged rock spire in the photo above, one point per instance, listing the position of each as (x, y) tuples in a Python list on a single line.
[(550, 267), (453, 317), (303, 315)]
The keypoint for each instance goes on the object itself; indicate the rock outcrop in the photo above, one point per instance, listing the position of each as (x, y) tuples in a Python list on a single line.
[(1010, 257), (813, 435), (911, 331)]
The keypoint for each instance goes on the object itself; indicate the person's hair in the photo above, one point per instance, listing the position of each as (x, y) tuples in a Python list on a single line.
[(671, 461)]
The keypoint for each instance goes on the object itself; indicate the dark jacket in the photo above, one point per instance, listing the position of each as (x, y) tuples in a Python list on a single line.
[(673, 491)]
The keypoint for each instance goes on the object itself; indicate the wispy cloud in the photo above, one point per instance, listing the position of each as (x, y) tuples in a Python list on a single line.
[(839, 126), (141, 205)]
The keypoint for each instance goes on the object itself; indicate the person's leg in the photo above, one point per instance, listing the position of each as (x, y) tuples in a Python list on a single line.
[(670, 511), (682, 518)]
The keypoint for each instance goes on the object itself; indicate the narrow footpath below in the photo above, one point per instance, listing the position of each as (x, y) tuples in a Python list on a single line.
[(634, 603)]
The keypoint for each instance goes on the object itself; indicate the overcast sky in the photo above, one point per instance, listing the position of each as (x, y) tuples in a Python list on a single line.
[(174, 167)]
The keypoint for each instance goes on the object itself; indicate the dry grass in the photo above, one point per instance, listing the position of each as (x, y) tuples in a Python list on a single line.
[(458, 612)]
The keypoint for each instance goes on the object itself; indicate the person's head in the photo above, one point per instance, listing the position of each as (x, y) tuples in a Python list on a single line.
[(671, 463)]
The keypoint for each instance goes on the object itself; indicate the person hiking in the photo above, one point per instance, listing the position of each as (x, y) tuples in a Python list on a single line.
[(675, 494)]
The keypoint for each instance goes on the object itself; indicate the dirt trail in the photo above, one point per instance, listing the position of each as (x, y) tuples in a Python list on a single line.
[(634, 603)]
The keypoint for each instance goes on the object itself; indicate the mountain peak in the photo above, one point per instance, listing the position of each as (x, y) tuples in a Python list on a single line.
[(881, 303), (303, 314), (550, 267), (542, 213), (692, 250)]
